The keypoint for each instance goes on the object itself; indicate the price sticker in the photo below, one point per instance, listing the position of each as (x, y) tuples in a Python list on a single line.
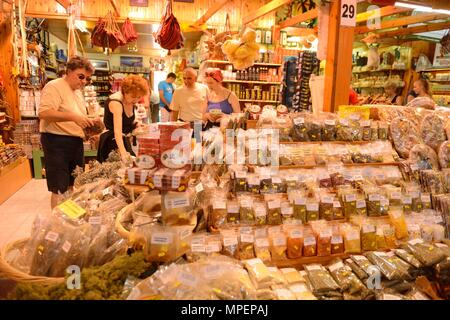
[(71, 209), (348, 13)]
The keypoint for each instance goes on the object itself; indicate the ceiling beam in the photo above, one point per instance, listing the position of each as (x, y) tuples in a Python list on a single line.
[(418, 29), (211, 11), (403, 21), (267, 8), (379, 13), (311, 14), (64, 3), (115, 6)]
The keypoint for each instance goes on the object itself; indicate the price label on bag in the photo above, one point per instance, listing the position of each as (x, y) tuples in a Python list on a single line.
[(348, 13), (71, 209)]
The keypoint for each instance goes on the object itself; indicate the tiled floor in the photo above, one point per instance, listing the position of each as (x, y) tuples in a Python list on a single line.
[(18, 212)]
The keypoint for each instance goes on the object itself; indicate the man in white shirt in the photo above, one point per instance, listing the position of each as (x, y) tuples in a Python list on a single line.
[(187, 101)]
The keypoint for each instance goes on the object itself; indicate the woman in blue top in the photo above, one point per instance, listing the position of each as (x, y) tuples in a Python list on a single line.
[(220, 100)]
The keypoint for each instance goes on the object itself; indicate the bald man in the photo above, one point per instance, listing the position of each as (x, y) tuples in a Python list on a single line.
[(188, 101)]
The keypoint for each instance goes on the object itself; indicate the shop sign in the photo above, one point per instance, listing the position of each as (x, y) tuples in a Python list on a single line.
[(348, 13)]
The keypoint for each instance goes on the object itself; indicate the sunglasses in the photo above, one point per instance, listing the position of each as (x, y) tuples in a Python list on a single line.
[(82, 77)]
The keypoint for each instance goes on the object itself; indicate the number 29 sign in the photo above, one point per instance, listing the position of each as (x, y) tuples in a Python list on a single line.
[(348, 13)]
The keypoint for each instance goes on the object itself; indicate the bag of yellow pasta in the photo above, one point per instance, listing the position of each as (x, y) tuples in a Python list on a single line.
[(398, 221)]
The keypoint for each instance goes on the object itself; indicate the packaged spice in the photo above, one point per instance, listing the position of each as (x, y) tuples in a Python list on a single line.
[(329, 130), (240, 181), (408, 257), (426, 201), (344, 276), (312, 211), (246, 210), (246, 242), (384, 206), (260, 214), (426, 253), (278, 246), (295, 243), (230, 246), (360, 273), (324, 242), (381, 241), (278, 185), (253, 183), (326, 207), (337, 244), (314, 130), (300, 209), (177, 209), (258, 272), (309, 246), (368, 237), (274, 212), (373, 204), (388, 269), (338, 212), (382, 130), (266, 184), (366, 130), (233, 212), (162, 247), (361, 209), (321, 281), (219, 214), (363, 263), (397, 219), (352, 241), (292, 183), (389, 236), (349, 201), (395, 198), (300, 131), (325, 180), (262, 251), (374, 131), (344, 131)]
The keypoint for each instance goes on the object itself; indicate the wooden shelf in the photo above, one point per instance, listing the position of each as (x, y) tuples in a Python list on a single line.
[(264, 101), (378, 164), (13, 177), (253, 82), (436, 69), (374, 87), (444, 81), (442, 92), (326, 142), (256, 64), (380, 70), (135, 72)]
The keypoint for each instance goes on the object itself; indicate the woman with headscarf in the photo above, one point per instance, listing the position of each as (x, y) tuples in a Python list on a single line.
[(220, 99)]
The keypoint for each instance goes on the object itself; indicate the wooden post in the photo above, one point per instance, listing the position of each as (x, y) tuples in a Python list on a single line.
[(6, 52), (338, 68)]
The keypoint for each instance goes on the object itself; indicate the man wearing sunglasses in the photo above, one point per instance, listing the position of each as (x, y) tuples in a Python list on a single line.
[(63, 117)]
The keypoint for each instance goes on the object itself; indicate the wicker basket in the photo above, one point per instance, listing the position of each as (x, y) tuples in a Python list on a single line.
[(10, 272)]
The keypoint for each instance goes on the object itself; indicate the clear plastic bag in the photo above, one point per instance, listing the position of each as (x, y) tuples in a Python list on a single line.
[(405, 135), (424, 157), (444, 155), (397, 219), (177, 209), (432, 131), (322, 282), (426, 253)]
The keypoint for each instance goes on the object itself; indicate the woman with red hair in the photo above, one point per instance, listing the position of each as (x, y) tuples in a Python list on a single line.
[(220, 99)]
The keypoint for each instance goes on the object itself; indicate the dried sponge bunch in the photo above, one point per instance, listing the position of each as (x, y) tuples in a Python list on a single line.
[(242, 53)]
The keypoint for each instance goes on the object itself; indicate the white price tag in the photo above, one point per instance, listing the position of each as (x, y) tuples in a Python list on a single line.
[(353, 235), (360, 204), (312, 207), (299, 121), (299, 288), (179, 202), (300, 201), (276, 180), (407, 200), (336, 266), (295, 234), (262, 242), (396, 195), (107, 191), (219, 204), (198, 247), (384, 202), (374, 197), (95, 220), (230, 241), (336, 239), (279, 241), (261, 233), (214, 247), (246, 203), (161, 238), (313, 267), (330, 122), (287, 211), (233, 208), (199, 188), (415, 241), (336, 204), (241, 175), (260, 212), (365, 123), (52, 236), (274, 204), (247, 238), (343, 122), (350, 197), (425, 198), (368, 228), (310, 241), (348, 13), (327, 199), (66, 246)]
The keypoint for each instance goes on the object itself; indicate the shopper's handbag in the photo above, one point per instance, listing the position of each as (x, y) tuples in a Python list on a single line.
[(169, 34)]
